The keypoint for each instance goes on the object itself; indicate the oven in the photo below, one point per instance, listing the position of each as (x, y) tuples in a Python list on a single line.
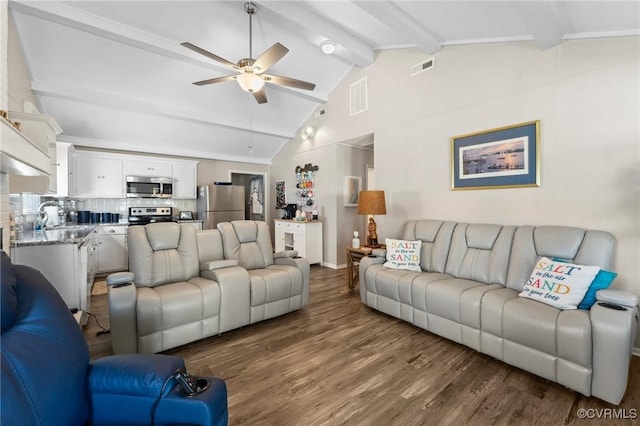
[(149, 187), (146, 215)]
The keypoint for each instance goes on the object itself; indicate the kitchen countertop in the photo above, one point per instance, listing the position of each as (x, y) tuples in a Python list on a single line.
[(64, 235)]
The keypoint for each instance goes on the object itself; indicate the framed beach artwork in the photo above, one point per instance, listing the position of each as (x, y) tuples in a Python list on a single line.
[(506, 157), (352, 185)]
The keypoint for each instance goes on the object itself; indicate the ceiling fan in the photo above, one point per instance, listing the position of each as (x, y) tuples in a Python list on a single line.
[(252, 75)]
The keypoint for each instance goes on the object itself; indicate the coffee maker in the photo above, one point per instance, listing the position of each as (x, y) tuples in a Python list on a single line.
[(290, 211)]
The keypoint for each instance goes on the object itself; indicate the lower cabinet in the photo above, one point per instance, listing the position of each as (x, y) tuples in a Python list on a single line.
[(304, 237), (69, 267), (112, 248)]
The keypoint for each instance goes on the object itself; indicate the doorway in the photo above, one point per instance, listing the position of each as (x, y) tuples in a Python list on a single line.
[(255, 193)]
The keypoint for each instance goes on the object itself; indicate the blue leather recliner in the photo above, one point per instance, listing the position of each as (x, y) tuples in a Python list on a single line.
[(47, 378)]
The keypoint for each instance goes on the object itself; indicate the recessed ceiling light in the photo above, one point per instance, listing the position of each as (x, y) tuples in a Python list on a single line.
[(328, 46)]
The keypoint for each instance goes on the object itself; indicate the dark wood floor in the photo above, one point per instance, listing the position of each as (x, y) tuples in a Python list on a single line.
[(339, 362)]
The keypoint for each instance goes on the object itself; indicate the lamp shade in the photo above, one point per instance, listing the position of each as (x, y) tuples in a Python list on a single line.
[(371, 202)]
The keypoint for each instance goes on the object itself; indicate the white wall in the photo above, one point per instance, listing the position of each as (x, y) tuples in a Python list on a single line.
[(586, 95)]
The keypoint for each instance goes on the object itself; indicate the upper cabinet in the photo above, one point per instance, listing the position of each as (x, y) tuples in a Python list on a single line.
[(103, 175), (184, 180), (147, 167), (98, 175)]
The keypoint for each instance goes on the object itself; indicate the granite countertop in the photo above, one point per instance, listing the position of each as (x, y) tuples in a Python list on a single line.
[(64, 235)]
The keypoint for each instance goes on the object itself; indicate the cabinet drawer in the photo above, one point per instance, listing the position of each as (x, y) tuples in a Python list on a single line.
[(112, 229)]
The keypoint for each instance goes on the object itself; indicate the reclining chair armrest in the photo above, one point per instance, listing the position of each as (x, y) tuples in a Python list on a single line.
[(365, 263), (235, 295), (613, 331), (217, 264), (379, 252), (618, 297), (122, 312), (302, 264), (285, 253), (125, 388)]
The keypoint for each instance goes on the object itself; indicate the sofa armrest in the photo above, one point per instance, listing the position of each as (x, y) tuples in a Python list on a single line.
[(379, 252), (235, 295), (285, 253), (123, 297), (365, 263), (613, 331), (618, 297), (302, 263), (217, 264)]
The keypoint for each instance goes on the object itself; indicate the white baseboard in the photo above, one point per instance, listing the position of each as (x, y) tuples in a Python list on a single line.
[(333, 265), (636, 351)]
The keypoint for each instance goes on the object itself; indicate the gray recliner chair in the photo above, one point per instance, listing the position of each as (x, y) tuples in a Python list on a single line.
[(279, 282), (164, 302)]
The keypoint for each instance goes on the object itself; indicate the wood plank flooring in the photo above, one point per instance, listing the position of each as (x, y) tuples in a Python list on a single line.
[(339, 362)]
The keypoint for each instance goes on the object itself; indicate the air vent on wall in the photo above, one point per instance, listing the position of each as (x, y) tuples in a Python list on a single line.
[(358, 102), (422, 66)]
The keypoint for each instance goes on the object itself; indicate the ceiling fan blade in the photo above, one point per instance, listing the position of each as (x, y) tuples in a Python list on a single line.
[(209, 55), (260, 96), (215, 80), (286, 81), (270, 57)]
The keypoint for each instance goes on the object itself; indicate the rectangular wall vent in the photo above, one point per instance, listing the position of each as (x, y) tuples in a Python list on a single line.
[(358, 102), (422, 66)]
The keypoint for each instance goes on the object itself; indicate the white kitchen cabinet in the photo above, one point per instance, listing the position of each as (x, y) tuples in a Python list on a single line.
[(147, 167), (98, 176), (112, 248), (70, 267), (66, 183), (305, 237), (184, 180)]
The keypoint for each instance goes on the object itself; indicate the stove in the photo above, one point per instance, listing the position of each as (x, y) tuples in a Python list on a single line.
[(146, 215)]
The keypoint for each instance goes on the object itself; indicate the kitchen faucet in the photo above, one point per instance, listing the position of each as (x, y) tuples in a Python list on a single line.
[(42, 214)]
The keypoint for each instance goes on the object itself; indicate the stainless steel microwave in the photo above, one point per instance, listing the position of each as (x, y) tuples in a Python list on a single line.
[(149, 187)]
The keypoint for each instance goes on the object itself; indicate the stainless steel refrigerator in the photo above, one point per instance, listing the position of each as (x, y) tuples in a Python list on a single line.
[(220, 203)]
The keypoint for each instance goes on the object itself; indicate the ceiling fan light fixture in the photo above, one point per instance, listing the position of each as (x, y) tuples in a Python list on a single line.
[(328, 46), (250, 82)]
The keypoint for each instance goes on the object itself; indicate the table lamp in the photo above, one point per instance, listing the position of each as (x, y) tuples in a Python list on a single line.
[(371, 203)]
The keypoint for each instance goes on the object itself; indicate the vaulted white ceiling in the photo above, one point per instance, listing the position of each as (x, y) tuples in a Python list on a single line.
[(114, 75)]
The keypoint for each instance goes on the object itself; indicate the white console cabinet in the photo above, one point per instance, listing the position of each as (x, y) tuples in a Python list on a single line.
[(305, 237)]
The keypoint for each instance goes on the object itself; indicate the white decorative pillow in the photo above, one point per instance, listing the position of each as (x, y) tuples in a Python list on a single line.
[(559, 284), (403, 254)]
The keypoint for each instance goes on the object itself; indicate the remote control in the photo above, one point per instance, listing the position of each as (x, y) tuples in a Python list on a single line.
[(186, 381)]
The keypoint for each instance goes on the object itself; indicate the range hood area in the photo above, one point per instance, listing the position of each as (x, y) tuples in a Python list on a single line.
[(29, 153)]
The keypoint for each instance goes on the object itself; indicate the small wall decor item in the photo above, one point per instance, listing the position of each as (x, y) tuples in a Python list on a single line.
[(305, 176), (281, 191), (352, 186), (505, 157)]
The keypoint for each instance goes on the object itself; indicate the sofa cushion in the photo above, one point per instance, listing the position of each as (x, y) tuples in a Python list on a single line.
[(276, 282), (559, 284), (172, 305), (436, 239), (403, 254), (445, 298)]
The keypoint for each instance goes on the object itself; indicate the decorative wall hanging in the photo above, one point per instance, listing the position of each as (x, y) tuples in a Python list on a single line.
[(506, 157), (281, 194), (305, 187), (352, 186)]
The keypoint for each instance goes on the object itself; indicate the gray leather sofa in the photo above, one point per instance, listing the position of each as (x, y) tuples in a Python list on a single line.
[(182, 286), (467, 291)]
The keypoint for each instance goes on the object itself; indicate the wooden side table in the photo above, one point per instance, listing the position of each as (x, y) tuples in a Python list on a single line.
[(353, 265)]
